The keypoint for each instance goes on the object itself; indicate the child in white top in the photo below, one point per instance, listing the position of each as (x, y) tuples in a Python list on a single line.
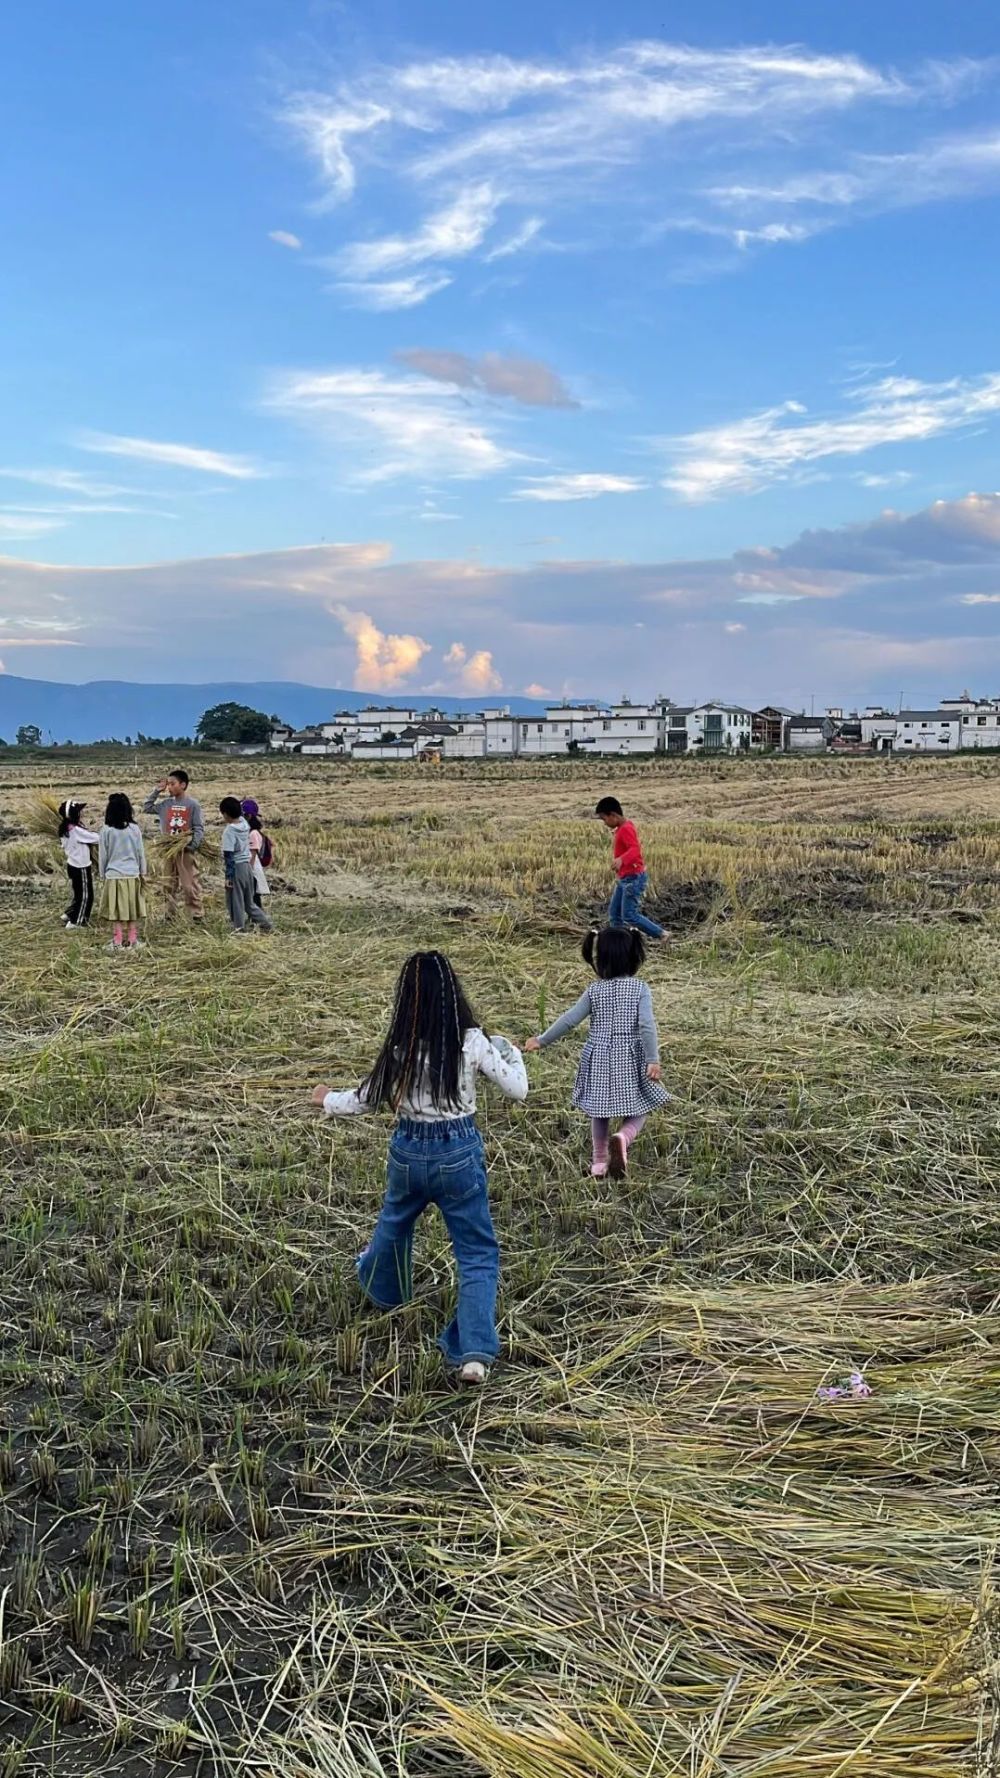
[(426, 1073), (76, 841)]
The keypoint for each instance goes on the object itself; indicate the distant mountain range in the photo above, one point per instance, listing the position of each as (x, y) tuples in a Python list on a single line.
[(110, 709)]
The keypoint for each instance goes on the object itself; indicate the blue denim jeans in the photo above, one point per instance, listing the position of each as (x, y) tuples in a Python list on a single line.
[(443, 1164), (625, 909)]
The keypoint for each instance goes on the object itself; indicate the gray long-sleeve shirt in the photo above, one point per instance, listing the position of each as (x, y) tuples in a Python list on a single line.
[(177, 815), (120, 851), (585, 1009)]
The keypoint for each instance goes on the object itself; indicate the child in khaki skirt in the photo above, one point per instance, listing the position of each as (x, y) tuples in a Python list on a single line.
[(122, 864)]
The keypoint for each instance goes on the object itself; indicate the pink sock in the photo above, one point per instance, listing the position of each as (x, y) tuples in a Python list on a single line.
[(133, 933), (599, 1127), (630, 1129), (117, 933)]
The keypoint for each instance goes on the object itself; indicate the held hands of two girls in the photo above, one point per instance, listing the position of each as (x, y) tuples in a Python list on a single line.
[(654, 1070), (318, 1094)]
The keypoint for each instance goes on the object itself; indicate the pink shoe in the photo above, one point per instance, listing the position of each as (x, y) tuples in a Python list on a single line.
[(599, 1170), (619, 1157)]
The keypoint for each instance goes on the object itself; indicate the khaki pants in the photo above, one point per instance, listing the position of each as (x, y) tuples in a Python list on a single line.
[(183, 882)]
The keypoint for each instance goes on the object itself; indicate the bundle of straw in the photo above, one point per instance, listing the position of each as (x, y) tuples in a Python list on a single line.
[(170, 849), (42, 817)]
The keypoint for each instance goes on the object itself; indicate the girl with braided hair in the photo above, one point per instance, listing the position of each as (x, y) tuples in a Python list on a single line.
[(426, 1074)]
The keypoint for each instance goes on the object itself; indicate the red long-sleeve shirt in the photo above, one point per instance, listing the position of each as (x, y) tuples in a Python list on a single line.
[(628, 852)]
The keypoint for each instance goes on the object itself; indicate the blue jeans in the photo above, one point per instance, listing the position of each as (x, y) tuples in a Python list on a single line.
[(625, 909), (443, 1164)]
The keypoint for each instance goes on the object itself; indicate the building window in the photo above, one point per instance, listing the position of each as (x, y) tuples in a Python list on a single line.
[(539, 727), (981, 720), (605, 726), (642, 722)]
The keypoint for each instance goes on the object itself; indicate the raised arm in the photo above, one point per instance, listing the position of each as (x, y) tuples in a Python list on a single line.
[(88, 837), (153, 803), (567, 1021), (647, 1026), (502, 1063)]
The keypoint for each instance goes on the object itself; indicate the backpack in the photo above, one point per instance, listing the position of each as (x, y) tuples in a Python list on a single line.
[(266, 853)]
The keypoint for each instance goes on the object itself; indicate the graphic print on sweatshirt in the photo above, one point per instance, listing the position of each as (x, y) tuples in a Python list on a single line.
[(178, 821)]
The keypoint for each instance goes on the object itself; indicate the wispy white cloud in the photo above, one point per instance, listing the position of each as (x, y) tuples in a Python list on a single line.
[(385, 294), (978, 599), (522, 237), (524, 380), (405, 425), (284, 238), (576, 487), (38, 642), (447, 233), (945, 167), (327, 128), (69, 481), (780, 443), (18, 525), (365, 268), (175, 456), (550, 136)]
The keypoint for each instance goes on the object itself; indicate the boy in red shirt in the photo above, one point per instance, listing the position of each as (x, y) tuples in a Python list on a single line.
[(625, 909)]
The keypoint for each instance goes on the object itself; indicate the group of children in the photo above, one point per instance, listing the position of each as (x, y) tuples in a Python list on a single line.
[(122, 867), (426, 1073)]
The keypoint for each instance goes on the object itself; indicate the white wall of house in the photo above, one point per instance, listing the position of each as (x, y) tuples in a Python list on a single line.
[(468, 743), (718, 727), (981, 726), (626, 729), (554, 732), (807, 740), (385, 750), (879, 732), (927, 732), (502, 736)]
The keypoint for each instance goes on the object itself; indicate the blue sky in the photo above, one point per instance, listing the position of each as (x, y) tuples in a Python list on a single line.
[(494, 348)]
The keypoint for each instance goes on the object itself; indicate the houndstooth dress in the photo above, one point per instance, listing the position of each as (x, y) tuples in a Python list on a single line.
[(611, 1079)]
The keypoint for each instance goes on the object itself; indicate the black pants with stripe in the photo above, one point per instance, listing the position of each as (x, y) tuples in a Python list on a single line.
[(81, 879)]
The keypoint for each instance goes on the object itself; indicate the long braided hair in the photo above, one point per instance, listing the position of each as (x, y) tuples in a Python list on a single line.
[(430, 1017)]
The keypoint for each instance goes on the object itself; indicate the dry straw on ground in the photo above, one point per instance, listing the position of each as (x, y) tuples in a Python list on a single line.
[(246, 1526)]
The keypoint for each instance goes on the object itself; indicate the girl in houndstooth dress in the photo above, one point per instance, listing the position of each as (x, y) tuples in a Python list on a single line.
[(619, 1072)]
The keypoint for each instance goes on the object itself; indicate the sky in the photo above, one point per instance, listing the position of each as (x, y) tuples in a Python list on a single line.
[(563, 350)]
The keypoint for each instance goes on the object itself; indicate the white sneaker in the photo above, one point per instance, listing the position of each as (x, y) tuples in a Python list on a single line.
[(111, 946), (138, 944), (473, 1373), (69, 927)]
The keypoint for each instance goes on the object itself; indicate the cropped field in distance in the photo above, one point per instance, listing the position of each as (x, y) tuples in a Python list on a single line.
[(248, 1528)]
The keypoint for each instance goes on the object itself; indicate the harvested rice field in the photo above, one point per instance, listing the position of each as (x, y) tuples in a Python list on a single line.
[(249, 1529)]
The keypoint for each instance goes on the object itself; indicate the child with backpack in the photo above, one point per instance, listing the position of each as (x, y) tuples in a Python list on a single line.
[(261, 850), (619, 1073), (425, 1073)]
